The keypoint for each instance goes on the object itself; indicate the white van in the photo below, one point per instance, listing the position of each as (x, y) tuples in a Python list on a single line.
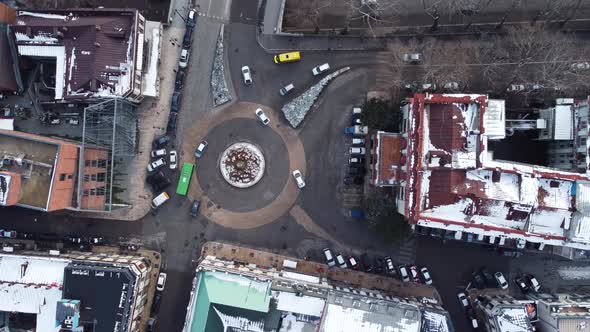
[(360, 151), (358, 141), (158, 153), (159, 200)]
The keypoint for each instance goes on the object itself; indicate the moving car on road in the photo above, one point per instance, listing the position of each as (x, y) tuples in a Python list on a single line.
[(262, 117), (298, 179), (246, 75), (320, 69), (463, 300), (286, 89), (161, 281), (159, 200), (195, 208), (200, 149)]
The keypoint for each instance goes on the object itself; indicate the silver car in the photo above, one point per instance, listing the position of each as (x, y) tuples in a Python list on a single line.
[(246, 75)]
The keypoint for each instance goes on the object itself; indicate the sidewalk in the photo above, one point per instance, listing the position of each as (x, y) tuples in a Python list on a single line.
[(277, 43), (346, 276)]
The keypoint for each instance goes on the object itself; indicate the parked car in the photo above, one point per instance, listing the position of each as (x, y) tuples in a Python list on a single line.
[(478, 281), (195, 208), (353, 180), (96, 240), (191, 18), (403, 273), (463, 300), (175, 102), (158, 153), (353, 262), (358, 141), (533, 283), (150, 325), (356, 121), (156, 303), (184, 55), (356, 170), (356, 160), (8, 234), (341, 262), (426, 276), (179, 81), (158, 181), (502, 283), (173, 159), (581, 66), (188, 36), (286, 89), (160, 142), (412, 57), (356, 150), (26, 235), (472, 318), (521, 284), (75, 239), (262, 117), (298, 179), (451, 86), (161, 281), (515, 88), (200, 149), (320, 69), (378, 265), (366, 263), (171, 126), (389, 267), (155, 165), (246, 75), (415, 274), (488, 277), (329, 257)]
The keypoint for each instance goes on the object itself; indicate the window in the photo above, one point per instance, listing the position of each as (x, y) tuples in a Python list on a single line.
[(62, 177), (93, 177), (85, 193), (92, 192), (70, 176), (101, 177), (86, 177), (94, 163), (87, 163), (102, 163), (100, 191)]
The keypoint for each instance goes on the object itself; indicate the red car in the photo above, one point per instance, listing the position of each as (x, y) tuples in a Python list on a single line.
[(353, 262), (415, 274)]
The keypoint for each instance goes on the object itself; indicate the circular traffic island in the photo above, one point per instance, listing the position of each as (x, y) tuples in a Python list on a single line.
[(245, 166)]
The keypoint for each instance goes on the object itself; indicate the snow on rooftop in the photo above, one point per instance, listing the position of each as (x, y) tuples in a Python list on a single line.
[(5, 180), (340, 319), (57, 52), (41, 38), (507, 188), (513, 319), (555, 193), (583, 196), (580, 228), (32, 285), (241, 323), (150, 80), (550, 222), (43, 15), (307, 305), (435, 322), (529, 190)]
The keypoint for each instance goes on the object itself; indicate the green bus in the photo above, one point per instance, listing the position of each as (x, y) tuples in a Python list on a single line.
[(185, 178)]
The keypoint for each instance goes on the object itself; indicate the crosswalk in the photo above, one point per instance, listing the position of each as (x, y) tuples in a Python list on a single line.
[(407, 251)]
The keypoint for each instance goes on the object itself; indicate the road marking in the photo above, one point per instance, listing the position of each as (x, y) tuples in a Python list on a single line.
[(209, 8)]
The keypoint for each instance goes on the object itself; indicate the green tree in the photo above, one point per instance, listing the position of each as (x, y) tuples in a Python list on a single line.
[(381, 213), (381, 115)]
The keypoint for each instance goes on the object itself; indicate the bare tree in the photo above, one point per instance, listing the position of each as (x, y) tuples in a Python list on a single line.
[(374, 13), (305, 13), (446, 62)]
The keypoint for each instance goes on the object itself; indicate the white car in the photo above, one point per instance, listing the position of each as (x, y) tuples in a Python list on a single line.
[(341, 262), (158, 153), (200, 149), (329, 257), (161, 281), (320, 69), (173, 160), (426, 276), (581, 65), (261, 116), (463, 299), (298, 179), (413, 57), (246, 75), (356, 150), (157, 164), (403, 273), (184, 54), (502, 283), (286, 89)]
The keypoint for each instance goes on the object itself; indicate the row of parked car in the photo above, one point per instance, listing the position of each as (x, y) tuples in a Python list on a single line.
[(379, 265), (357, 150)]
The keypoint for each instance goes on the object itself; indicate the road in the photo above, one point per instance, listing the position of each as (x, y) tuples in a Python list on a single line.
[(325, 200)]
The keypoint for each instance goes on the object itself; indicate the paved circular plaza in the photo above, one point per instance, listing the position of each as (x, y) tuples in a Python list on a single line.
[(268, 185)]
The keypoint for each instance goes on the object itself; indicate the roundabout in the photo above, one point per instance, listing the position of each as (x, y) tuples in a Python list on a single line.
[(236, 194)]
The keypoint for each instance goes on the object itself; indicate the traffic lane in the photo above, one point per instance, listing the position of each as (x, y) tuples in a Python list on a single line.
[(175, 298), (269, 77), (451, 265)]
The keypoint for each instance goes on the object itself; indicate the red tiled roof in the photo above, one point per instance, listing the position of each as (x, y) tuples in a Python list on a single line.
[(444, 186), (389, 157), (445, 124)]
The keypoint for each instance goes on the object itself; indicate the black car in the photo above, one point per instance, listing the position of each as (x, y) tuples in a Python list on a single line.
[(188, 36), (191, 19), (366, 263), (379, 264), (353, 180), (356, 170), (179, 80), (488, 277), (160, 142), (171, 127), (74, 239), (156, 303), (158, 181), (175, 104), (521, 283), (25, 235), (195, 208), (478, 281)]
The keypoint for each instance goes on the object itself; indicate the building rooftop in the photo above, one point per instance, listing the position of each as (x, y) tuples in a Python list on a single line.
[(37, 166), (454, 182), (388, 158), (105, 293), (512, 319), (32, 285), (93, 49)]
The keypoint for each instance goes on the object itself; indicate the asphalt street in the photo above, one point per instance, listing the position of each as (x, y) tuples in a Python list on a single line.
[(325, 198)]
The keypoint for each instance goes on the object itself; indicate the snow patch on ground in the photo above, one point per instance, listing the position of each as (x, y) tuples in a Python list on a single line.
[(574, 273), (218, 83)]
